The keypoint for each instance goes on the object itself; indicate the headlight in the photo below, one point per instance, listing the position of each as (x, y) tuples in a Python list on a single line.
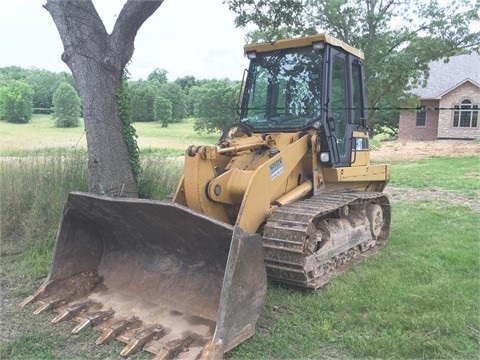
[(325, 157)]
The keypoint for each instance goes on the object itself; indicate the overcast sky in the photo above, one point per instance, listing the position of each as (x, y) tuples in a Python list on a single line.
[(184, 37)]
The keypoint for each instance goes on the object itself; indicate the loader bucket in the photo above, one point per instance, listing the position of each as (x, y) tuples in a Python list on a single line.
[(155, 275)]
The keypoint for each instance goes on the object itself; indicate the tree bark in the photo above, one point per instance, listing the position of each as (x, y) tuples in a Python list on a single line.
[(97, 60)]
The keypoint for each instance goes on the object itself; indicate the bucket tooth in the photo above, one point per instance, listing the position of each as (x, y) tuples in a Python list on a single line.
[(28, 300), (85, 323), (143, 336), (93, 319), (113, 331), (213, 350), (48, 305), (173, 348), (72, 311), (33, 298)]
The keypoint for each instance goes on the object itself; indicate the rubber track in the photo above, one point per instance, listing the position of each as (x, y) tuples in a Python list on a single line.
[(288, 229)]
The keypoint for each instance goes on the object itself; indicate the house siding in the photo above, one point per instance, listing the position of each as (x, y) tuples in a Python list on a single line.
[(449, 83), (407, 124), (445, 121)]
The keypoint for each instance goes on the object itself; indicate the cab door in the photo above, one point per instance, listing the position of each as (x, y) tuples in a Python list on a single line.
[(338, 109), (346, 110)]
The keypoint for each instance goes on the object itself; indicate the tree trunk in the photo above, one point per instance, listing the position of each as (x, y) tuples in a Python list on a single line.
[(97, 60)]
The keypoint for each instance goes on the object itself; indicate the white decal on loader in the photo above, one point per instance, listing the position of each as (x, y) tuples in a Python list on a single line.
[(276, 168)]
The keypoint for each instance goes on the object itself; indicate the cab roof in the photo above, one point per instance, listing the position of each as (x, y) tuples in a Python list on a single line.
[(302, 41)]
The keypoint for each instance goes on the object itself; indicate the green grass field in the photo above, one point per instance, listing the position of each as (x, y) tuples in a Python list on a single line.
[(418, 298), (41, 136)]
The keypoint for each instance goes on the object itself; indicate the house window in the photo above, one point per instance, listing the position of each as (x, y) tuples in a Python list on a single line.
[(421, 117), (466, 115)]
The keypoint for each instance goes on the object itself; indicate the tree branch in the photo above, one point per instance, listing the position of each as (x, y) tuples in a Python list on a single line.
[(78, 22), (121, 42)]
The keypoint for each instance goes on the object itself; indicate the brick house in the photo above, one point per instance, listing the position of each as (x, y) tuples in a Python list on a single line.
[(454, 85)]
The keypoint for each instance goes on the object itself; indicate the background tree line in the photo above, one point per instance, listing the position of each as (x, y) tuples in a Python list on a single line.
[(399, 38), (212, 103)]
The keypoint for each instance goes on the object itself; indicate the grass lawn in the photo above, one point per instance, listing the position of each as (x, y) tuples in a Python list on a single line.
[(42, 136), (417, 299), (436, 172)]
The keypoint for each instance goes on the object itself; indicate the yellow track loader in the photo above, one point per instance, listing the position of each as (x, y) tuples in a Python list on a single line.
[(288, 192)]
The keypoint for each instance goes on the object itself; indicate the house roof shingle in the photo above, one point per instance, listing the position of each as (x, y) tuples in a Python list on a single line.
[(446, 76)]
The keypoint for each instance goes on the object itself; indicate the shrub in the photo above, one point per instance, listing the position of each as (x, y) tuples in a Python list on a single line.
[(162, 110), (66, 106), (16, 102)]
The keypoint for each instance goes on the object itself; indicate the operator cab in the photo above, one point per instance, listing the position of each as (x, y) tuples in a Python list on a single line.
[(304, 83)]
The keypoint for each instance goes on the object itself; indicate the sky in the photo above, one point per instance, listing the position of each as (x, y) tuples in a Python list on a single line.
[(183, 37)]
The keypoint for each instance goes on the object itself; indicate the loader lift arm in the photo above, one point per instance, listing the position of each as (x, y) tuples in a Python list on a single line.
[(254, 189)]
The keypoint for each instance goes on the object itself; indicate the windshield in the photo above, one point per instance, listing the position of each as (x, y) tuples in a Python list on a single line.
[(283, 90)]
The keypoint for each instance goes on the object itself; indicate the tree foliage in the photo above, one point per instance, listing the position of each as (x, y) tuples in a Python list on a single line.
[(216, 105), (399, 38), (142, 97), (16, 102), (177, 97), (186, 82), (66, 106), (43, 82), (159, 75), (273, 19), (143, 94), (163, 110)]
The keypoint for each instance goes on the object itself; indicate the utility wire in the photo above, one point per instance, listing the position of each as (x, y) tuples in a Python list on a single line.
[(407, 108), (474, 108), (422, 108)]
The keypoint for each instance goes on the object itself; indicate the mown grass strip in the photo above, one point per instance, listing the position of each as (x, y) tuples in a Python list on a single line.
[(453, 173), (43, 138)]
